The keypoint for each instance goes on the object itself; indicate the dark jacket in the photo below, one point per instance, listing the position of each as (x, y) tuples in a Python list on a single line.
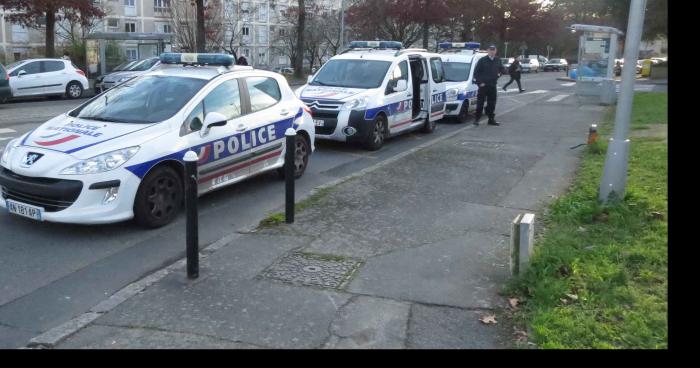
[(514, 70), (487, 71)]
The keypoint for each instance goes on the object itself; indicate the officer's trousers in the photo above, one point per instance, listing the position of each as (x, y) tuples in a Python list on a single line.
[(487, 94)]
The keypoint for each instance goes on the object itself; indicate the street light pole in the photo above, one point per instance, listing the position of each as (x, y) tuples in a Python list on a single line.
[(612, 186), (505, 54), (342, 25)]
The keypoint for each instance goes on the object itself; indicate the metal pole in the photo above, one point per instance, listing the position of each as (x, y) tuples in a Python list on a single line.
[(342, 25), (290, 136), (192, 217), (612, 186), (505, 54)]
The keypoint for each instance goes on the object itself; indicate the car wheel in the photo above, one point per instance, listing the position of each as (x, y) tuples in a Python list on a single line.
[(74, 90), (375, 140), (302, 151), (463, 113), (429, 126), (159, 198)]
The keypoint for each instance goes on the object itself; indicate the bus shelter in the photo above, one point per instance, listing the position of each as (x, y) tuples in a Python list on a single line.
[(596, 62), (99, 61)]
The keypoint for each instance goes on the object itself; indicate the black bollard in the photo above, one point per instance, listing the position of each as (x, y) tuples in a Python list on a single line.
[(192, 216), (289, 167)]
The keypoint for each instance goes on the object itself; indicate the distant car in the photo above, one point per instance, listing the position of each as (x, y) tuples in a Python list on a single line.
[(620, 63), (530, 65), (119, 68), (284, 70), (556, 65), (506, 64), (137, 69), (5, 90), (46, 77)]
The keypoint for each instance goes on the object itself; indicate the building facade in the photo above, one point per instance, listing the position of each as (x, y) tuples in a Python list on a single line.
[(252, 28)]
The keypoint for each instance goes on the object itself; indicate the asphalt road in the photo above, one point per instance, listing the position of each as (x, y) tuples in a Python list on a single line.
[(49, 273)]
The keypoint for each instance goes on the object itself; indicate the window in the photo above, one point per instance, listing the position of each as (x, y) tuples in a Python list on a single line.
[(53, 66), (129, 27), (131, 3), (224, 99), (164, 28), (282, 14), (29, 68), (245, 31), (457, 72), (262, 34), (262, 12), (262, 56), (131, 54), (352, 73), (19, 33), (161, 5), (400, 73), (113, 23), (264, 92), (436, 70)]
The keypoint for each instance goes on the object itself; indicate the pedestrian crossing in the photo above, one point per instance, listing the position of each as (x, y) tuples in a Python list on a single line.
[(557, 98), (638, 88), (568, 84)]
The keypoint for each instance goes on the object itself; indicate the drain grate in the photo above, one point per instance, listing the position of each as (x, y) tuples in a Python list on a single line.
[(313, 270)]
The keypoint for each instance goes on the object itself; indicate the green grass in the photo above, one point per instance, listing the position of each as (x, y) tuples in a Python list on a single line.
[(278, 218), (614, 259)]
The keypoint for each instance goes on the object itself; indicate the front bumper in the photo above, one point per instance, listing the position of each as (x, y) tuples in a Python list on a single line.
[(73, 199), (452, 108), (343, 126)]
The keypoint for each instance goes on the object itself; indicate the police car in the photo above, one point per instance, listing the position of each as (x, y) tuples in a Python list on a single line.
[(119, 155), (459, 60), (374, 90)]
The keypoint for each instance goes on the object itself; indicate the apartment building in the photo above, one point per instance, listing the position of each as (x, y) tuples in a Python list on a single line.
[(251, 27)]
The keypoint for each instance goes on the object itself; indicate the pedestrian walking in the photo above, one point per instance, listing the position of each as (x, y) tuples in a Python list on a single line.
[(486, 74), (242, 61), (515, 71)]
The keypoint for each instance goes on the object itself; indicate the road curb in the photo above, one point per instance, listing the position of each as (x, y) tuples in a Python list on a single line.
[(54, 336)]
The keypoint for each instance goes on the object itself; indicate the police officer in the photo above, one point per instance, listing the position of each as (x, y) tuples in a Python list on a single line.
[(486, 74)]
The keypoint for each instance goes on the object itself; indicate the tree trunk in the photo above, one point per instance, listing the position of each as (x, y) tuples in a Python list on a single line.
[(426, 34), (299, 63), (50, 33), (201, 41)]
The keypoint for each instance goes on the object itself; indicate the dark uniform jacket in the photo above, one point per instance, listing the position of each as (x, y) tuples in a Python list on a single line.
[(487, 71), (515, 69)]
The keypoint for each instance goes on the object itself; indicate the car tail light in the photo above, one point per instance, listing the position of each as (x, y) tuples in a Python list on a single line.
[(80, 72)]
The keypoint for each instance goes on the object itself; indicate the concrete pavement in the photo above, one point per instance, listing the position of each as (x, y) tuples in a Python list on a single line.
[(407, 256)]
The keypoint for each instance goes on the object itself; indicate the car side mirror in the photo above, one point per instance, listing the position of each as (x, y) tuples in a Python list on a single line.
[(310, 79), (213, 119), (21, 73), (401, 85)]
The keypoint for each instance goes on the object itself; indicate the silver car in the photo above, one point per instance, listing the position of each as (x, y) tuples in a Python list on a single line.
[(137, 69)]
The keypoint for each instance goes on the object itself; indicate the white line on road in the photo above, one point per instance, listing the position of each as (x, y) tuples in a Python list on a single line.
[(7, 130), (500, 90), (536, 92), (569, 84), (557, 98)]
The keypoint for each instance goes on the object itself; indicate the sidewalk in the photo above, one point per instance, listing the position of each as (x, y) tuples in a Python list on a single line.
[(411, 255)]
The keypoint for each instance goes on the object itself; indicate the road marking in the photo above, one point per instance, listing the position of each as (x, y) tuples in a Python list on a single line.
[(500, 90), (7, 130), (557, 98), (5, 138), (539, 91), (569, 84)]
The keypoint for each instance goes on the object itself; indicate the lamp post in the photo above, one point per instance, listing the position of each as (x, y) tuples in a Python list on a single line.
[(342, 25), (505, 54)]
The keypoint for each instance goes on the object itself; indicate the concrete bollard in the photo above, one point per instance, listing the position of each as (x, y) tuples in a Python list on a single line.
[(522, 237)]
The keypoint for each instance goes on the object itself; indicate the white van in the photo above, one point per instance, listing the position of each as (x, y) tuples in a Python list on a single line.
[(459, 61), (375, 90)]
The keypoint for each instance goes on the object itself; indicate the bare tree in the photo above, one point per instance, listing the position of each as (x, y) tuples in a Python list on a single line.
[(183, 17), (301, 26)]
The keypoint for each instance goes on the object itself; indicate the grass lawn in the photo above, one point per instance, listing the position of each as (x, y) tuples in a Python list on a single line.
[(599, 276)]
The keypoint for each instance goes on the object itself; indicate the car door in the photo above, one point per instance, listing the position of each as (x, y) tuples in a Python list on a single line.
[(399, 100), (54, 75), (438, 89), (270, 116), (29, 83), (221, 150)]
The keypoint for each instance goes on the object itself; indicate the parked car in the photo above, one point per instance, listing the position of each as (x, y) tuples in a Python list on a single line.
[(137, 69), (119, 68), (5, 90), (47, 77), (530, 65), (620, 63), (556, 65), (285, 70), (506, 64)]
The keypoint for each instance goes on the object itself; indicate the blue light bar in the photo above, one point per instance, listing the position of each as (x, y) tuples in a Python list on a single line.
[(395, 45), (197, 59), (460, 45)]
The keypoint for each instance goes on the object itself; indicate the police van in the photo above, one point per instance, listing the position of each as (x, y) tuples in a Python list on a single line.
[(375, 90), (459, 61), (120, 155)]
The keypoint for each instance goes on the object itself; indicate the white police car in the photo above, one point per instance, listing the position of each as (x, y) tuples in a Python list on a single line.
[(120, 155), (459, 60), (374, 90)]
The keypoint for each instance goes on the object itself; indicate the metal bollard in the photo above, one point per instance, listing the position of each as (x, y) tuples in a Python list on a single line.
[(191, 199), (593, 134), (290, 136)]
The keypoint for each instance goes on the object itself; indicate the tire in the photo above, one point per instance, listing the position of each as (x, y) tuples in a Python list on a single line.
[(74, 90), (463, 113), (302, 152), (159, 198), (375, 140), (429, 126)]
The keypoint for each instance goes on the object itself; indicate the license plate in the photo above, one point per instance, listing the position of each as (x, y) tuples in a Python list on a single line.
[(319, 123), (21, 209)]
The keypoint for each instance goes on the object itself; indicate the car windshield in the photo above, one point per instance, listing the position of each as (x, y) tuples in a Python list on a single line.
[(145, 100), (124, 66), (143, 65), (352, 74), (456, 72)]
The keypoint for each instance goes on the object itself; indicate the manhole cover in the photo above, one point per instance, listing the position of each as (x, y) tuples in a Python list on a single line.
[(313, 270)]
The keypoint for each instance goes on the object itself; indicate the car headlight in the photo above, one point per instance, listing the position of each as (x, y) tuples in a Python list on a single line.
[(102, 163), (8, 151), (356, 104), (452, 94)]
